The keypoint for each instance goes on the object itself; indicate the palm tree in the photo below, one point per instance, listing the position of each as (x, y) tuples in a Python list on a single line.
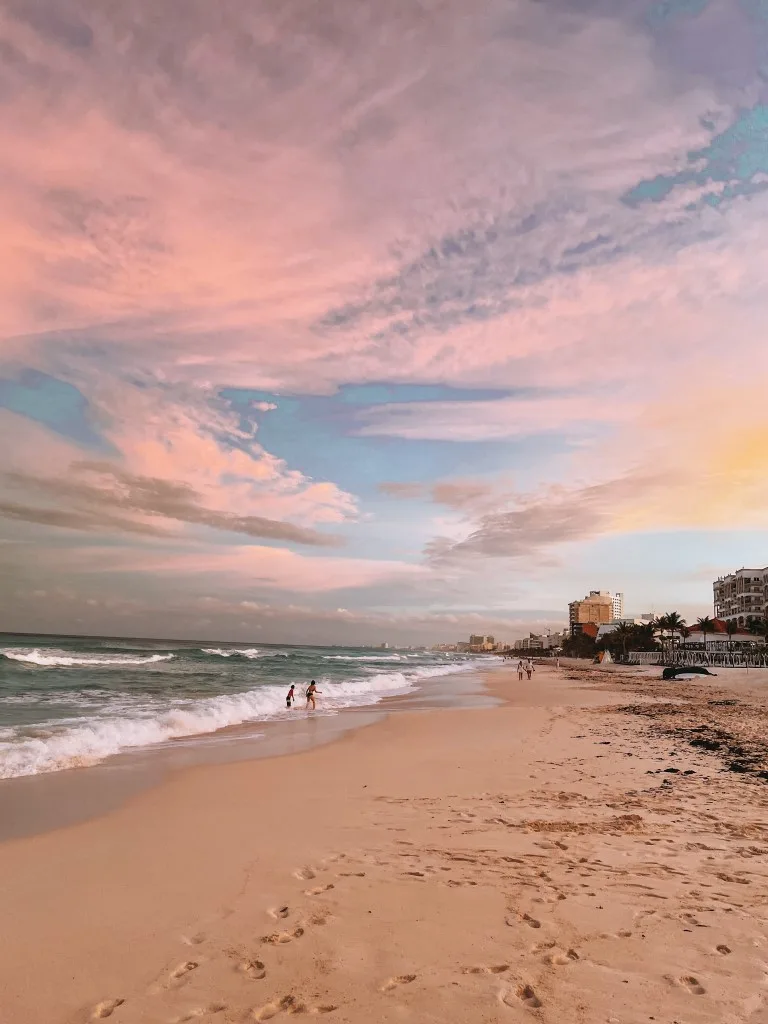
[(661, 625), (675, 624), (705, 625), (646, 637), (624, 634)]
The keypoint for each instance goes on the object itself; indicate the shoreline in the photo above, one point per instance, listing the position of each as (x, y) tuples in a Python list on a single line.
[(32, 804), (535, 857)]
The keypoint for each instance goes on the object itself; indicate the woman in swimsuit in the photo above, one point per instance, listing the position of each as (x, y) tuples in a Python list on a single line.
[(311, 691)]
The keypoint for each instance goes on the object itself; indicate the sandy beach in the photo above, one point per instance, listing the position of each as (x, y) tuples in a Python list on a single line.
[(593, 849)]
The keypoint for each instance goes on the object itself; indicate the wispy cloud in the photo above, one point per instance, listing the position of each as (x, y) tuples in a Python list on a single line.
[(494, 420), (538, 523), (95, 491)]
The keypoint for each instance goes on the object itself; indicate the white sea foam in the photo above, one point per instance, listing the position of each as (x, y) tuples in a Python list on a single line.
[(362, 657), (74, 742), (60, 659), (247, 652)]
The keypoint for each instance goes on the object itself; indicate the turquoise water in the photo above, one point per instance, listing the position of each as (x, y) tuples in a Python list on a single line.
[(69, 701)]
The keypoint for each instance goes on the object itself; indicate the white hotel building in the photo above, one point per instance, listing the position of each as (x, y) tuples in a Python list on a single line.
[(742, 596)]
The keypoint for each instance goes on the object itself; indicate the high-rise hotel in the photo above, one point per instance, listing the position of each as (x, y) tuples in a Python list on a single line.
[(742, 596)]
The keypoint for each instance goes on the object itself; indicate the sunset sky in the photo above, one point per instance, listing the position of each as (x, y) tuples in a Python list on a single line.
[(357, 321)]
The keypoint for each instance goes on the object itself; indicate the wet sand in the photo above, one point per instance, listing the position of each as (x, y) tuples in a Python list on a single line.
[(569, 856), (37, 803)]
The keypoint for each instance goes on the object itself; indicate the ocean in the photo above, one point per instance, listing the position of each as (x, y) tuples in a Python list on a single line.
[(73, 701)]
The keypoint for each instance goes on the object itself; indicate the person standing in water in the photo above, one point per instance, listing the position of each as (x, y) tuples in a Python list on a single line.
[(520, 670), (311, 691), (290, 697)]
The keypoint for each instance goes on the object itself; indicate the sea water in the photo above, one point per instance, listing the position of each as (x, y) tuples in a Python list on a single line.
[(72, 701)]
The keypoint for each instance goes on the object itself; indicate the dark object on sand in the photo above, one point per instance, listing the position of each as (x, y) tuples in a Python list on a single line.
[(673, 671)]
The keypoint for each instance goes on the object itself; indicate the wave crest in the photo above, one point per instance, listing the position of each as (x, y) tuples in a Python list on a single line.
[(60, 659)]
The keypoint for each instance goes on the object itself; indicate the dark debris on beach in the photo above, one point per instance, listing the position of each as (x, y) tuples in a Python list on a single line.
[(709, 720)]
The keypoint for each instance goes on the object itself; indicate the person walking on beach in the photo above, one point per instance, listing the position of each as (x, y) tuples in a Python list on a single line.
[(529, 668), (311, 691), (520, 670), (290, 697)]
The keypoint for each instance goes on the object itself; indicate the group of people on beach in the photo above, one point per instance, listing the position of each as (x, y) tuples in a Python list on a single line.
[(527, 667), (290, 697)]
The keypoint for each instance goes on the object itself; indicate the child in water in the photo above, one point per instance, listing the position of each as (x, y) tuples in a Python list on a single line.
[(290, 697)]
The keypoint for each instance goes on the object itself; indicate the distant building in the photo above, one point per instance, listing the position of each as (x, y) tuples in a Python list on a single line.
[(540, 642), (608, 627), (477, 640), (596, 608), (384, 647), (742, 596), (618, 606), (479, 643)]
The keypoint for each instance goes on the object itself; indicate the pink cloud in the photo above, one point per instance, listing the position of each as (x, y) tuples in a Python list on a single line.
[(197, 216), (489, 420), (245, 567)]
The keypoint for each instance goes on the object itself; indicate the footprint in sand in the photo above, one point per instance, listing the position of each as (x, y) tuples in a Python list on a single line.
[(180, 972), (288, 1004), (280, 938), (693, 985), (200, 1011), (524, 994), (106, 1008), (401, 979), (193, 940), (541, 947), (318, 890), (253, 969), (560, 959), (352, 874), (279, 913), (305, 874), (725, 950), (530, 921), (482, 969)]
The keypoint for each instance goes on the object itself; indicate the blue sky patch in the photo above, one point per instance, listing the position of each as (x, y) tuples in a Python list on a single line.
[(318, 435), (732, 161), (667, 10), (55, 404)]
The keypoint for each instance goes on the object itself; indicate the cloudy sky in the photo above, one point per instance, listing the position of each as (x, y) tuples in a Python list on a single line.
[(378, 321)]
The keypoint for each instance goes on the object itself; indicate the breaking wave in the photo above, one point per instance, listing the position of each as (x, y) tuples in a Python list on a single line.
[(75, 742), (60, 659)]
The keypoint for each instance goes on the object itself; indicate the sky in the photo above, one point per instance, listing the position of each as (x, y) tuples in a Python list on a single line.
[(359, 322)]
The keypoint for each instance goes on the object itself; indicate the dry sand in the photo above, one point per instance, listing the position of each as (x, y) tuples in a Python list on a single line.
[(546, 860)]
